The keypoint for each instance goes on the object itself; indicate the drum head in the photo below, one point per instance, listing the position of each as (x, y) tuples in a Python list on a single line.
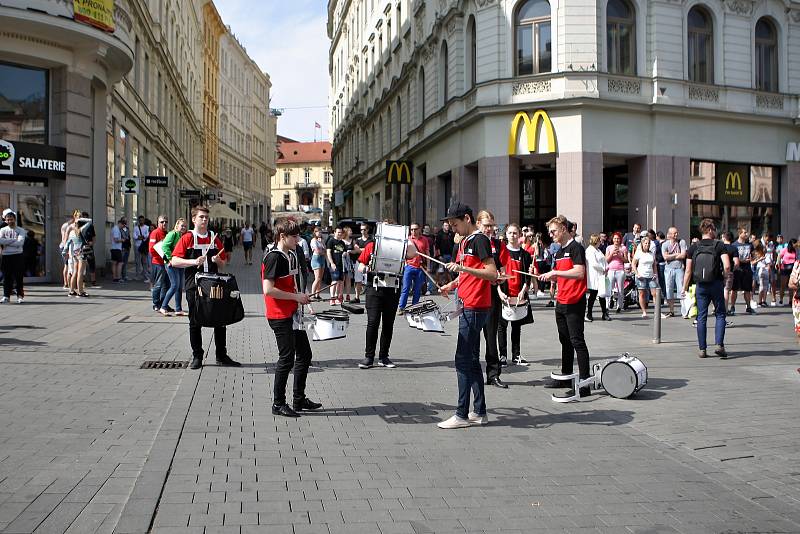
[(619, 380)]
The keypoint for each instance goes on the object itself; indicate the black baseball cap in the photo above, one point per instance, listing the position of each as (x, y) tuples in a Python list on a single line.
[(457, 210)]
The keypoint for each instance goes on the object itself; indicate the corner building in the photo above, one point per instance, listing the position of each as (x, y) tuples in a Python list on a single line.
[(610, 112)]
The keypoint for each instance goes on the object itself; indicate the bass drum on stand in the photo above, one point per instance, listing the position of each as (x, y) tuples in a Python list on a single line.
[(623, 377)]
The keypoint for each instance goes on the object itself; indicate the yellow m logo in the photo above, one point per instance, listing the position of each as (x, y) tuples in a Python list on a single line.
[(398, 172), (531, 129), (733, 182)]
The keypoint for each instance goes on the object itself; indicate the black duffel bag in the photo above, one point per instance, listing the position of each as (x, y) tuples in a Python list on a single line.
[(218, 301)]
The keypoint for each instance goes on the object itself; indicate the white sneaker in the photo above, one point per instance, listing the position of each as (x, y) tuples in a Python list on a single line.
[(3, 300), (772, 304), (454, 422), (477, 420), (20, 300), (540, 294)]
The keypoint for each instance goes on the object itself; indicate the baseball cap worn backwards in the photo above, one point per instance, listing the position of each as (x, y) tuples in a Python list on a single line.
[(457, 210)]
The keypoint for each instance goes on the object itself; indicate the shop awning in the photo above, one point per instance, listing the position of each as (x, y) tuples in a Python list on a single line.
[(222, 211)]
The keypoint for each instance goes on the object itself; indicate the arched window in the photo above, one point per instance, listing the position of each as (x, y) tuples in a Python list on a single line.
[(389, 144), (471, 53), (444, 75), (421, 94), (380, 138), (766, 56), (533, 37), (700, 46), (621, 37)]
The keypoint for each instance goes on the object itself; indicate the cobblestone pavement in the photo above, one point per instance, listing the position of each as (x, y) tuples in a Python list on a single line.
[(91, 443)]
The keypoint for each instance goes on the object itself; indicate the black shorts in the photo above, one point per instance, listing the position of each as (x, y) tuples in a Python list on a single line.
[(743, 280), (116, 255)]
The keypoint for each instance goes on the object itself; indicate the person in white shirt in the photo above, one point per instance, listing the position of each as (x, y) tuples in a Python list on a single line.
[(646, 276), (674, 252), (141, 234), (248, 238), (116, 251)]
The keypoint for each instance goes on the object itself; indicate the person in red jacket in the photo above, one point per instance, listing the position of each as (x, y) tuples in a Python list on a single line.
[(281, 276), (159, 272)]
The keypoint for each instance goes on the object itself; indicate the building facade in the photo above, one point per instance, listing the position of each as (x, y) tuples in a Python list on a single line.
[(304, 179), (610, 112), (117, 114)]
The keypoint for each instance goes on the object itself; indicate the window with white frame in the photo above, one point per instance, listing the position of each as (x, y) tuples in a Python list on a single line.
[(766, 56), (621, 37), (700, 31), (533, 37)]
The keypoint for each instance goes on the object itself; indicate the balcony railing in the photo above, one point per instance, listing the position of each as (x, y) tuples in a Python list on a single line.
[(307, 185)]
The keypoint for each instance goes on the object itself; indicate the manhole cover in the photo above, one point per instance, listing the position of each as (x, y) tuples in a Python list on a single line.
[(161, 364)]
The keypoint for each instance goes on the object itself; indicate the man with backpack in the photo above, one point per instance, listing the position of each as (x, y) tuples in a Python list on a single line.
[(707, 265)]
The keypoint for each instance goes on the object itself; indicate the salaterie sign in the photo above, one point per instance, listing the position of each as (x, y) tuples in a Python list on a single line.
[(32, 160)]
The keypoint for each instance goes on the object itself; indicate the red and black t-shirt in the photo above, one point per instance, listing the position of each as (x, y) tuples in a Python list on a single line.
[(281, 269), (517, 260), (474, 292), (570, 290)]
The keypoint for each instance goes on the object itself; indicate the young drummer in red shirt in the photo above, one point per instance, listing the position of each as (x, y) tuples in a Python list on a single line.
[(515, 292), (570, 272), (281, 276), (476, 270)]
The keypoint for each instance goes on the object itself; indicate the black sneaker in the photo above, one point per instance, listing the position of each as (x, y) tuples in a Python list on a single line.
[(503, 361), (732, 311), (750, 310), (306, 404), (225, 361), (518, 360), (284, 410), (557, 384), (721, 352), (588, 319), (386, 362), (366, 364), (197, 363), (550, 304)]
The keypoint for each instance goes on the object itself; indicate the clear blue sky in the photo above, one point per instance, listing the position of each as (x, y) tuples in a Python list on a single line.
[(289, 42)]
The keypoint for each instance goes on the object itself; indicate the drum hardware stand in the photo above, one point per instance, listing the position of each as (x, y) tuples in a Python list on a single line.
[(593, 382), (386, 280)]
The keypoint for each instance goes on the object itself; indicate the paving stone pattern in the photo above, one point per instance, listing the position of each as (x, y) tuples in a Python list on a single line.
[(91, 443)]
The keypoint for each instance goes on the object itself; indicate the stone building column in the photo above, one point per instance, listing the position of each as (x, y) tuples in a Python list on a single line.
[(498, 188), (654, 182), (579, 189), (790, 200)]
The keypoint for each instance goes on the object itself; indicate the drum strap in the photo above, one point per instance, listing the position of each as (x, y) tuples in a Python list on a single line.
[(204, 248)]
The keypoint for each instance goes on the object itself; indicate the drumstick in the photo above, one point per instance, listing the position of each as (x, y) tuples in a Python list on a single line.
[(443, 264), (433, 280), (321, 290), (526, 274)]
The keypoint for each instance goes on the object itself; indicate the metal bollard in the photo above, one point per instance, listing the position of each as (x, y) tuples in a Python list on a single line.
[(657, 317)]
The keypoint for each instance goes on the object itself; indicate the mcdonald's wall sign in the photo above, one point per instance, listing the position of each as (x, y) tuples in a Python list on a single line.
[(531, 125), (399, 172), (733, 182)]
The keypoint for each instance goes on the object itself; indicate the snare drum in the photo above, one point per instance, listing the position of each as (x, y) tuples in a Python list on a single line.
[(624, 376), (391, 241), (425, 316), (513, 312), (331, 324)]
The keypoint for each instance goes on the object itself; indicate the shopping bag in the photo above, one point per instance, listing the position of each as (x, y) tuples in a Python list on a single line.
[(689, 304)]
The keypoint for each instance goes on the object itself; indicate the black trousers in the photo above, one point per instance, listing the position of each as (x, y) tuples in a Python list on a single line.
[(490, 336), (569, 320), (590, 306), (196, 331), (13, 266), (502, 342), (381, 306), (294, 351)]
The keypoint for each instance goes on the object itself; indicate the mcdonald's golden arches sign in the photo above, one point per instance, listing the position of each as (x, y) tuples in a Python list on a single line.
[(398, 172), (531, 127), (733, 182)]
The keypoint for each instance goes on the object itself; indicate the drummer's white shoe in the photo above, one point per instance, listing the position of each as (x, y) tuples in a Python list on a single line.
[(477, 420), (454, 422)]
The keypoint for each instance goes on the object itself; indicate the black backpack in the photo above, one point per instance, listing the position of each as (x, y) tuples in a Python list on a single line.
[(705, 263)]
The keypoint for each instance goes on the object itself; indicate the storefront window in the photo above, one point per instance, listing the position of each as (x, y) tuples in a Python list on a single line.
[(735, 196), (23, 104)]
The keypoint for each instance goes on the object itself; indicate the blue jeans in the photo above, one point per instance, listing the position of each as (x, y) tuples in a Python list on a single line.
[(415, 276), (160, 284), (468, 362), (176, 281), (707, 293), (126, 253)]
